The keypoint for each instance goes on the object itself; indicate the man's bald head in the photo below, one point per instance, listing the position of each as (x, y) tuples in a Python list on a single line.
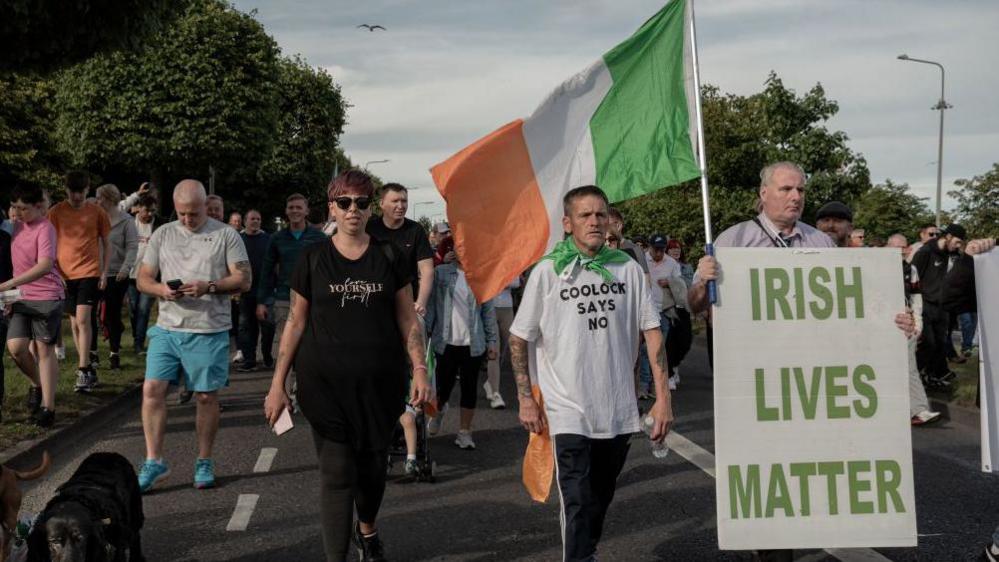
[(189, 201), (189, 191)]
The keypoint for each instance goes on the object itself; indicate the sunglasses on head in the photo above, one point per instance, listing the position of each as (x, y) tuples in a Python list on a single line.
[(344, 202)]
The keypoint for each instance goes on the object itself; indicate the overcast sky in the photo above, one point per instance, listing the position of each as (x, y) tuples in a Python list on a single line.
[(447, 72)]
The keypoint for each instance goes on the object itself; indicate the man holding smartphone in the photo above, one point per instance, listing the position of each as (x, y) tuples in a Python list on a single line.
[(203, 262)]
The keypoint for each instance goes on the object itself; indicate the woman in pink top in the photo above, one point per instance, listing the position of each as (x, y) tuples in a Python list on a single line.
[(37, 317)]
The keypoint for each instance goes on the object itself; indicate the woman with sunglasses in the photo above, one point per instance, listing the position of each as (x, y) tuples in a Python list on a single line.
[(355, 340)]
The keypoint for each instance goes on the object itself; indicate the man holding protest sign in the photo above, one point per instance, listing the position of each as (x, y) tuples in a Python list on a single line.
[(781, 295), (585, 306)]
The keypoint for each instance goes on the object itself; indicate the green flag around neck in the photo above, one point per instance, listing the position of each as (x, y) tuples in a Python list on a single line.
[(566, 254)]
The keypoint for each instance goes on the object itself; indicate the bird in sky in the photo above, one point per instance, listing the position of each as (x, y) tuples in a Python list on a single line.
[(371, 28)]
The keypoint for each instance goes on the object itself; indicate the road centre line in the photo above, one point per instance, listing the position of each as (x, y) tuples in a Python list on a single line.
[(245, 505), (265, 460), (702, 459)]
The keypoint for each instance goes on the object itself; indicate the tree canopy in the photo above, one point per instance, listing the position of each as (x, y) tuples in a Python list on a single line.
[(41, 35), (742, 135), (204, 94), (978, 204), (891, 208), (27, 147)]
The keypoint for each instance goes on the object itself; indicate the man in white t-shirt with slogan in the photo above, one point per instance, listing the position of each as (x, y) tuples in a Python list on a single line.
[(201, 262), (585, 307)]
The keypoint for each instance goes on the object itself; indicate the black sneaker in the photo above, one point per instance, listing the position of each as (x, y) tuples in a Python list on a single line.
[(947, 377), (370, 548), (245, 367), (114, 361), (268, 364), (43, 418), (34, 400)]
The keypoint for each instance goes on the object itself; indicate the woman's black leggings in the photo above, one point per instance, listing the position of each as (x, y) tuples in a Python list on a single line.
[(347, 479), (458, 360)]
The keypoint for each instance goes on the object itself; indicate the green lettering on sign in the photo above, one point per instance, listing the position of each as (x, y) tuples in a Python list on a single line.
[(777, 494), (834, 390), (763, 412), (862, 375), (754, 288), (802, 471), (831, 470), (777, 284), (808, 393), (821, 308), (853, 291), (744, 494), (888, 476), (856, 486)]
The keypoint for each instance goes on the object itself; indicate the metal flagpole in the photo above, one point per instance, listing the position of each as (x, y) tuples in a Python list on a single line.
[(709, 247)]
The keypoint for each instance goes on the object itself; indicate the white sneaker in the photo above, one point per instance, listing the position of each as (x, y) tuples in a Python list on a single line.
[(464, 440), (925, 417), (489, 390), (60, 352), (238, 358), (434, 425), (673, 380), (496, 402)]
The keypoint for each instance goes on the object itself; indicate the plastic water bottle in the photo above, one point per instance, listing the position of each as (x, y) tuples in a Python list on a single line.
[(660, 450)]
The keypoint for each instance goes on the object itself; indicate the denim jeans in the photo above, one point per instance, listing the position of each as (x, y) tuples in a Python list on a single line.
[(968, 322), (139, 306), (644, 368)]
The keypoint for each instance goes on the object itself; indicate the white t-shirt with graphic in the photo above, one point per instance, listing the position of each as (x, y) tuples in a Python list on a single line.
[(204, 255), (586, 333)]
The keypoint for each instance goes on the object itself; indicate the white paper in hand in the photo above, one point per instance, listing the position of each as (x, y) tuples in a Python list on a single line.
[(283, 423)]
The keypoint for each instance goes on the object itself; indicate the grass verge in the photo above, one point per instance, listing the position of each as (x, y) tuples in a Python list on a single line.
[(69, 406)]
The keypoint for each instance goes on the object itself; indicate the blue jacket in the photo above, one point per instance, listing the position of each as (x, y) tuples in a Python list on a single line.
[(484, 330)]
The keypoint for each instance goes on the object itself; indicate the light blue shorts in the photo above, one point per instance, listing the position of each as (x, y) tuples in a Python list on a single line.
[(202, 359)]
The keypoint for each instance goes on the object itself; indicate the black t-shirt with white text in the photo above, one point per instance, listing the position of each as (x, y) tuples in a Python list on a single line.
[(410, 238), (351, 365)]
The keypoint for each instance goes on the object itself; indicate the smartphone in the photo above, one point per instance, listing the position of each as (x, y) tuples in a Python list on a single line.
[(283, 423), (174, 284)]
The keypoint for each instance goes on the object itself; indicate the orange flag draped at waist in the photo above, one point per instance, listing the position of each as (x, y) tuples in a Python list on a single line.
[(539, 459)]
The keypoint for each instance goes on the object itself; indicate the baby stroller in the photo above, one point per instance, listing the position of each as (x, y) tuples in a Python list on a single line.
[(426, 468), (425, 465)]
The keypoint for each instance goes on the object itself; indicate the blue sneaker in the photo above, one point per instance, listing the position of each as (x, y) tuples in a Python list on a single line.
[(204, 474), (152, 472)]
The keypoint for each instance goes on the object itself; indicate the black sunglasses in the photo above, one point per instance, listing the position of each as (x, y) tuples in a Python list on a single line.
[(344, 202)]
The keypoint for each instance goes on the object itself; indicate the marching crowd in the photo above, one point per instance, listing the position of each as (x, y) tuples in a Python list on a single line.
[(343, 312)]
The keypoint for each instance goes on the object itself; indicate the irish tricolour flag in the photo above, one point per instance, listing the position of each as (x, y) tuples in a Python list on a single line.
[(626, 123)]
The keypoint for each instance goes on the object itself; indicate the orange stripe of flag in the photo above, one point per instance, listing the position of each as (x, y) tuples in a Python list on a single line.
[(495, 209)]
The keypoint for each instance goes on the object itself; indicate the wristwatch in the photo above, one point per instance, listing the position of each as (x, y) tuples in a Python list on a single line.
[(212, 288)]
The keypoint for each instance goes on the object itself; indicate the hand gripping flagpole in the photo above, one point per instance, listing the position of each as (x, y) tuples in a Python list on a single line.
[(709, 247)]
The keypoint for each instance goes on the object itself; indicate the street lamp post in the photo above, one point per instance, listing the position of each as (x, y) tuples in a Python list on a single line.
[(941, 106)]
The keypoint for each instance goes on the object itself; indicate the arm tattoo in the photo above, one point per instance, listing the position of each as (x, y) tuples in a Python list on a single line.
[(415, 345), (518, 356), (661, 358), (243, 267)]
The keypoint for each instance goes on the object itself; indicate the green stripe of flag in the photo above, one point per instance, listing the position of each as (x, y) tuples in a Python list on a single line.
[(640, 132)]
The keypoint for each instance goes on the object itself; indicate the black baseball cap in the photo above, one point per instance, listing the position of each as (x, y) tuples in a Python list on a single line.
[(657, 241), (955, 230), (834, 210)]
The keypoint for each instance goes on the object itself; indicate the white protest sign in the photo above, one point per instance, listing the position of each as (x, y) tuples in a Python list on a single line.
[(812, 436), (986, 281)]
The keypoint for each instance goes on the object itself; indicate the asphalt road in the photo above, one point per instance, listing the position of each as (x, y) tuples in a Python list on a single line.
[(478, 510)]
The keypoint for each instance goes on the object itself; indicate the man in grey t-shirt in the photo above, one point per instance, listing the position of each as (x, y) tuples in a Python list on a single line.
[(201, 262)]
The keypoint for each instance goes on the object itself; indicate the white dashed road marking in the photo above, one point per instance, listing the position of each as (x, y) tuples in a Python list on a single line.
[(244, 510), (705, 461), (265, 460)]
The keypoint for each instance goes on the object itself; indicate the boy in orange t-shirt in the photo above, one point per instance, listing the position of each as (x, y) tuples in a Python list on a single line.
[(82, 253)]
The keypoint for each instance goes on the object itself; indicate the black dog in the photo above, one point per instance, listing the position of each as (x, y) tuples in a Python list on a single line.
[(96, 516)]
